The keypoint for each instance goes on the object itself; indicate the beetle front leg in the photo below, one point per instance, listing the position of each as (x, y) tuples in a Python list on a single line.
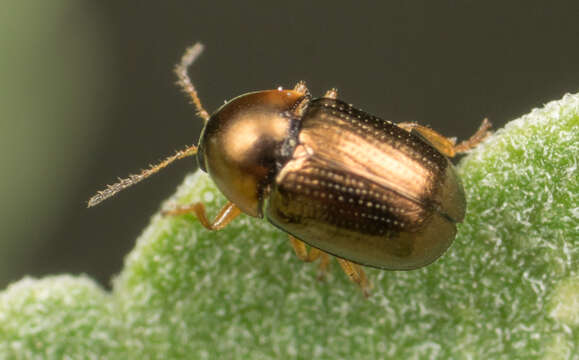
[(224, 217), (447, 146)]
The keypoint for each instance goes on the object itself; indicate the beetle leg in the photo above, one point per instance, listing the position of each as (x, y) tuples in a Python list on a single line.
[(300, 248), (302, 88), (447, 146), (356, 273), (440, 142), (482, 133), (324, 265), (302, 252), (224, 217), (331, 94)]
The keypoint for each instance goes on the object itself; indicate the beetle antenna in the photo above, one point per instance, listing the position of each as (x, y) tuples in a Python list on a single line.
[(184, 81), (122, 184)]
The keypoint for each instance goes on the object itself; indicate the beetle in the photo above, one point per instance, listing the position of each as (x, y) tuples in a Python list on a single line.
[(346, 183)]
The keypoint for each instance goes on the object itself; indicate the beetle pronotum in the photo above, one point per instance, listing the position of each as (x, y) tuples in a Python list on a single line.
[(344, 182)]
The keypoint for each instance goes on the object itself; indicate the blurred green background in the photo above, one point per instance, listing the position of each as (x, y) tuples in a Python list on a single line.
[(87, 94)]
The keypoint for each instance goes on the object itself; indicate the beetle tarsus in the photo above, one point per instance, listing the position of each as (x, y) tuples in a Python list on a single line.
[(324, 266), (357, 274), (331, 94), (302, 88), (482, 133)]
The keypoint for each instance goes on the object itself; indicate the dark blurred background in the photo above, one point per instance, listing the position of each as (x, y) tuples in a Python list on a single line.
[(87, 94)]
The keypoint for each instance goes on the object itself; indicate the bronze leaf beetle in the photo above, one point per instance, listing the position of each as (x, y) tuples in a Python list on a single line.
[(344, 182)]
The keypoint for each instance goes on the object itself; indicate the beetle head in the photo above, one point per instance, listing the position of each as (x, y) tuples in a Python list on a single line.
[(243, 140)]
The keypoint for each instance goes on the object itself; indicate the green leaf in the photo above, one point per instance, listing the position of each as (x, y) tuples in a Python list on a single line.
[(507, 288)]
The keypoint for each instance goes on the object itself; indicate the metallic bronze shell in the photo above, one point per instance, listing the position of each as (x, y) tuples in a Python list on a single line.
[(242, 142), (363, 189)]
